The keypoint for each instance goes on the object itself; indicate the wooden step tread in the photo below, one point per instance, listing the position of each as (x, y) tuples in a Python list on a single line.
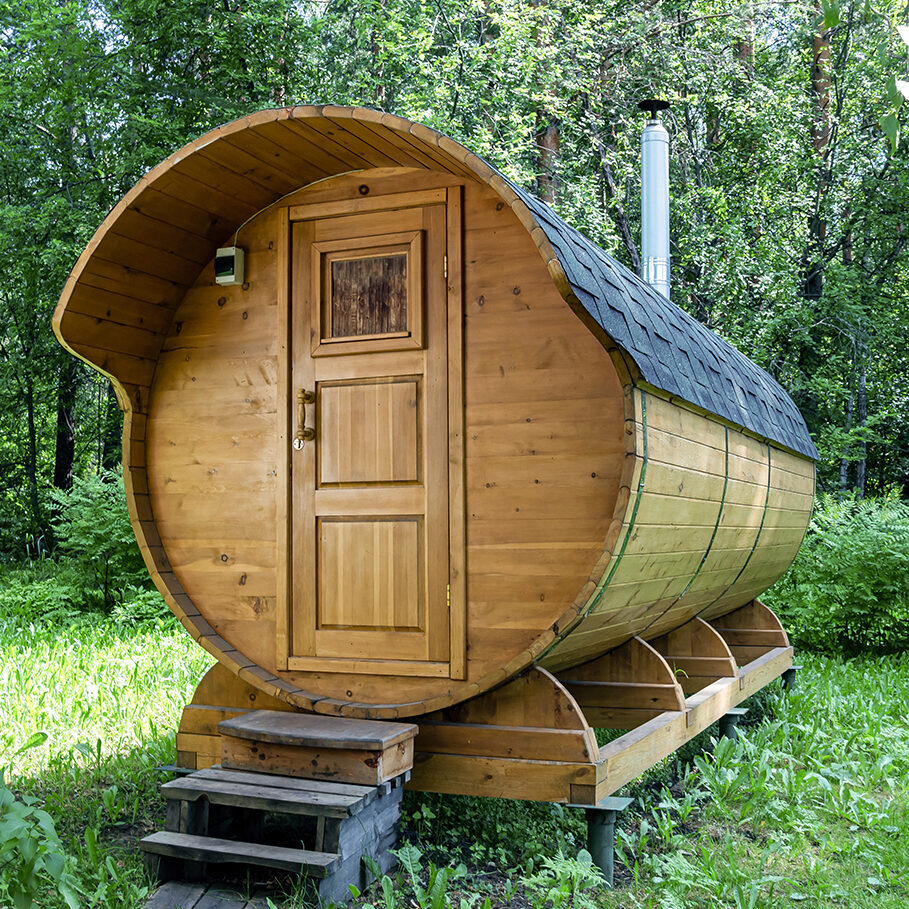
[(184, 895), (216, 851), (296, 784), (314, 731), (263, 798)]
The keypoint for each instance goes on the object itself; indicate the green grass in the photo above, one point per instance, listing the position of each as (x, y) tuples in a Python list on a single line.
[(809, 809), (109, 701)]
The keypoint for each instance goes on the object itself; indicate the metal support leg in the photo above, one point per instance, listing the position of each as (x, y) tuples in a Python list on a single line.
[(730, 722), (789, 678), (601, 834)]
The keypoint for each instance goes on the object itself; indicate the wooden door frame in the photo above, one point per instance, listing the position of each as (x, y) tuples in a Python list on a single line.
[(457, 611)]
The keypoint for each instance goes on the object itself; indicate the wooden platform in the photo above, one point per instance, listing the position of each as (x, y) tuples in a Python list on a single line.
[(369, 752), (533, 738)]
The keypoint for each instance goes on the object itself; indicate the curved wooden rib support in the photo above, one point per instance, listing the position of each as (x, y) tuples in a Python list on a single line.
[(625, 687), (751, 631), (526, 739), (697, 654)]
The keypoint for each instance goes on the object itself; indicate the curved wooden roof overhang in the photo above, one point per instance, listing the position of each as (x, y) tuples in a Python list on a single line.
[(116, 307)]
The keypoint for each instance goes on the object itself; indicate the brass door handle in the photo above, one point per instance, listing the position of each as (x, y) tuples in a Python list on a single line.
[(304, 433)]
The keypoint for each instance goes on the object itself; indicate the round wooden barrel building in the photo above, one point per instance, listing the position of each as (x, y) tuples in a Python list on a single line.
[(433, 435)]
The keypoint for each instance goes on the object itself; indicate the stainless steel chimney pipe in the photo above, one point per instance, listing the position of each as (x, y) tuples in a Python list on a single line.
[(655, 199)]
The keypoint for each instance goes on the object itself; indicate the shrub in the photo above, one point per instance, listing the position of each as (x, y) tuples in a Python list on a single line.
[(848, 590), (143, 609), (38, 594), (94, 532)]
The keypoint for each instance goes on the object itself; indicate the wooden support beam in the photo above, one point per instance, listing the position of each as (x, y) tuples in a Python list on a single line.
[(697, 654), (624, 688), (628, 756), (751, 631), (528, 739)]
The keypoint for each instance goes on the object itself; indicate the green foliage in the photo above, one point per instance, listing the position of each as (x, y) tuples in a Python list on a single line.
[(480, 831), (108, 698), (39, 593), (564, 881), (848, 589), (810, 808), (434, 895), (31, 854), (94, 532)]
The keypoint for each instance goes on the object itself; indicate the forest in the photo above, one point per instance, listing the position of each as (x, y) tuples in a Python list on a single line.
[(789, 173), (789, 180)]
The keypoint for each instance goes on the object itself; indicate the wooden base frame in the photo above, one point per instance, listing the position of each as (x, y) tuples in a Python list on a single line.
[(532, 738)]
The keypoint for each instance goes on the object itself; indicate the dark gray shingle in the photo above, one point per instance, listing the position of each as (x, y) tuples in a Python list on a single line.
[(697, 365)]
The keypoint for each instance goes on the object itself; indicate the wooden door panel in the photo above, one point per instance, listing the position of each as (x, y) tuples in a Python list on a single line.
[(370, 574), (369, 432)]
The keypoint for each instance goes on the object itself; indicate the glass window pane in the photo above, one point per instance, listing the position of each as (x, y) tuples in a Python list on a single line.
[(368, 296)]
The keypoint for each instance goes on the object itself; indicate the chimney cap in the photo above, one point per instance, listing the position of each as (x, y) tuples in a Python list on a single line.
[(653, 106)]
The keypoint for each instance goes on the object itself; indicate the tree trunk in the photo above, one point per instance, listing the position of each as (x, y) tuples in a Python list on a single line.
[(862, 408), (113, 431), (547, 139), (820, 140), (31, 467), (744, 48), (65, 449), (844, 461)]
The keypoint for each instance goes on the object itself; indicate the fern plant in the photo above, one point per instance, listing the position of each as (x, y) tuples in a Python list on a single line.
[(847, 591), (95, 533)]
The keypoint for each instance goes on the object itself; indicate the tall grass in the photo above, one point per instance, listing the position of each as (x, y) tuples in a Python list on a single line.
[(91, 683), (809, 809), (108, 700)]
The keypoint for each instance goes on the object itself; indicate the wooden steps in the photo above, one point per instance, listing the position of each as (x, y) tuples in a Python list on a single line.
[(212, 850), (368, 752), (224, 820), (183, 895), (271, 793)]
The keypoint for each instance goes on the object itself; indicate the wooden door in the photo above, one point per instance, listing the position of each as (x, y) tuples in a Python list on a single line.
[(373, 460)]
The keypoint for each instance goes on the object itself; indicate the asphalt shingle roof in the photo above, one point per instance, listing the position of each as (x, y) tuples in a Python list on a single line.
[(673, 351)]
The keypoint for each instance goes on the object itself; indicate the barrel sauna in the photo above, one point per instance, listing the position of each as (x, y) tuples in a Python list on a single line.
[(435, 438)]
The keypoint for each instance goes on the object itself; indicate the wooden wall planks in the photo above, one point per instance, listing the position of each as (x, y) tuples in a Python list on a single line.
[(691, 546), (549, 463)]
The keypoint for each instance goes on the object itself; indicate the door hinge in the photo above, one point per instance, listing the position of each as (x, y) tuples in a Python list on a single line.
[(446, 268), (448, 596)]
